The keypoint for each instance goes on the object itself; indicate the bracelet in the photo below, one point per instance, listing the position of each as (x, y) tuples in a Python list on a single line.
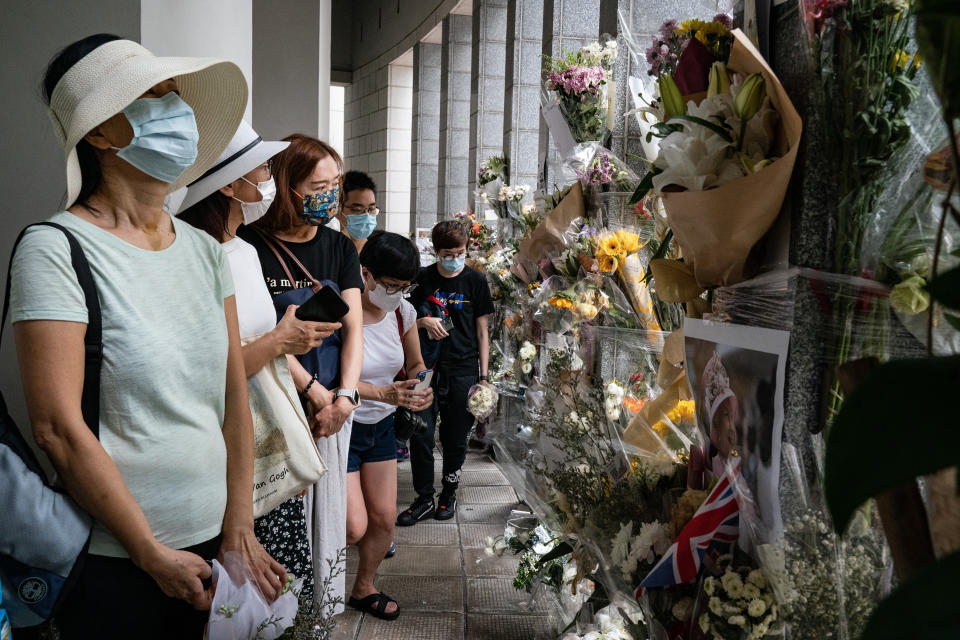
[(484, 379), (309, 384)]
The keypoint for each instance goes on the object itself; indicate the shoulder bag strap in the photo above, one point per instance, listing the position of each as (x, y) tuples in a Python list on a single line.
[(273, 242), (403, 370), (93, 337)]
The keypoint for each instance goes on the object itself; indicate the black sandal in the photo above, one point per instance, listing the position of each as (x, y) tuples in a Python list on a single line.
[(376, 605)]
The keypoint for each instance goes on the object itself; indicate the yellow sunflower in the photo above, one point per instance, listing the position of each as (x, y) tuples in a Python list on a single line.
[(629, 242), (610, 245), (606, 262)]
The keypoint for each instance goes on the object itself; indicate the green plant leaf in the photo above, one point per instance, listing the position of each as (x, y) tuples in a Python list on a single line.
[(938, 37), (896, 425), (644, 187), (925, 608), (945, 288), (953, 320)]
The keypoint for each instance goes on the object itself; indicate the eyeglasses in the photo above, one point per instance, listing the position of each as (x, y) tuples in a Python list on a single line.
[(267, 167), (356, 208), (404, 289)]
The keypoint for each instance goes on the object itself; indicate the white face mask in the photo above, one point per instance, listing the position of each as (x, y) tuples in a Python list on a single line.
[(379, 296), (253, 211)]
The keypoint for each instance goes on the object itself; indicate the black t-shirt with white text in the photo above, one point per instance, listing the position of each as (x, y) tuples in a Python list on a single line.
[(328, 256), (466, 297)]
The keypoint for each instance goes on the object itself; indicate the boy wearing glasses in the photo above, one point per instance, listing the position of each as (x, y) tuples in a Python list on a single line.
[(358, 215), (461, 301)]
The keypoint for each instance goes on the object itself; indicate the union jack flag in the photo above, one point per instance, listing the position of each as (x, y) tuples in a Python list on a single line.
[(717, 520)]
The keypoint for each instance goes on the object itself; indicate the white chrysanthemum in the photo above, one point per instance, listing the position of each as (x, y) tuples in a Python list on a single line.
[(527, 351), (526, 368), (737, 621), (704, 622), (716, 606), (732, 584), (757, 607), (709, 585), (682, 609), (757, 578)]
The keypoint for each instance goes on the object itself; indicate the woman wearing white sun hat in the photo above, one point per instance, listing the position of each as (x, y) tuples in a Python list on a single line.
[(168, 482), (237, 190)]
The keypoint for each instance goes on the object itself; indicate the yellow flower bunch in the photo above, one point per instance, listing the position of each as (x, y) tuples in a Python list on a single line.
[(711, 34), (612, 249), (682, 413), (560, 302)]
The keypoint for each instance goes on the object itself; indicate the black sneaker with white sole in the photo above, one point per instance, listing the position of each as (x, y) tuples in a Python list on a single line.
[(446, 506), (421, 508)]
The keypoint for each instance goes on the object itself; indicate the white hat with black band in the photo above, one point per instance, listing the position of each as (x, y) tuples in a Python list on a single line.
[(244, 153), (109, 78)]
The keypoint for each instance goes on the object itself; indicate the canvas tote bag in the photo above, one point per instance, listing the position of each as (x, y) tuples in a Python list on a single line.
[(286, 459)]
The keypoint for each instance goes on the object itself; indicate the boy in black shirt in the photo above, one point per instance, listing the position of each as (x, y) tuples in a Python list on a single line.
[(465, 295)]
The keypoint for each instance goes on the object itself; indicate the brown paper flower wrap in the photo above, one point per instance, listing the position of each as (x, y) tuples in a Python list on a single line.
[(672, 379), (717, 228), (548, 235)]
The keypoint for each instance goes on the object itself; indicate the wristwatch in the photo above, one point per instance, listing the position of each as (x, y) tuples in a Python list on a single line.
[(484, 379), (351, 394)]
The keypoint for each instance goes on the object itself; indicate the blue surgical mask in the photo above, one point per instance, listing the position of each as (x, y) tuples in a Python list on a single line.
[(361, 225), (165, 137), (453, 264), (319, 208)]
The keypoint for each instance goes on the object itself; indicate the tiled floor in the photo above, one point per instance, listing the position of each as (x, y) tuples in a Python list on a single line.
[(447, 588)]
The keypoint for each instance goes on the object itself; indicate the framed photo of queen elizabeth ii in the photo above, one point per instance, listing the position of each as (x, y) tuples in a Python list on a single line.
[(736, 375)]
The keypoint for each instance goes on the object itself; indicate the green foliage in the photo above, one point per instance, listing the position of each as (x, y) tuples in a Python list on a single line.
[(898, 424), (930, 599)]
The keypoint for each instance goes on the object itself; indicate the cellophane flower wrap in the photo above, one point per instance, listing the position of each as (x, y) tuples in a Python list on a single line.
[(482, 401), (578, 81)]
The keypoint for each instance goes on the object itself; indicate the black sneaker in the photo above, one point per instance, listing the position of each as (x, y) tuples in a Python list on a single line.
[(446, 506), (421, 508)]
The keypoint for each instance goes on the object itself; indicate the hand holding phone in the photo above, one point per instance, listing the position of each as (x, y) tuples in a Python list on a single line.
[(326, 305), (425, 377)]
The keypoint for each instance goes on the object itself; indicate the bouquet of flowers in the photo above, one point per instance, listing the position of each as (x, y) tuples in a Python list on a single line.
[(577, 80), (672, 38), (509, 201), (600, 170), (740, 604), (482, 401), (493, 169), (479, 236), (729, 153)]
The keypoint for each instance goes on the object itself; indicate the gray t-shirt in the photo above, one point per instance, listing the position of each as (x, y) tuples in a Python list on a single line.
[(163, 377)]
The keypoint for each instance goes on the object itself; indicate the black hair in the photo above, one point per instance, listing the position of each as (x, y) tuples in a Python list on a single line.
[(390, 255), (210, 215), (357, 180), (448, 234), (59, 65)]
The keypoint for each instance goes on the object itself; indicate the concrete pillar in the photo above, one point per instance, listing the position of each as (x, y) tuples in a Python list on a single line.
[(31, 33), (394, 196), (218, 28), (486, 84), (452, 191), (567, 26), (643, 20), (291, 67), (425, 150), (521, 95)]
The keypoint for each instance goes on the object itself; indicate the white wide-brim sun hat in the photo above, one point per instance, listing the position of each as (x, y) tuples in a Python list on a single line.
[(106, 80), (244, 153)]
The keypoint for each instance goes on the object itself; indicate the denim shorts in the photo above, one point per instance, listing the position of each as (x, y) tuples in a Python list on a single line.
[(371, 443)]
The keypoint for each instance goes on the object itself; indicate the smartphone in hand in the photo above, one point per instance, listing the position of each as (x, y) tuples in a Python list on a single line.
[(326, 305), (424, 377)]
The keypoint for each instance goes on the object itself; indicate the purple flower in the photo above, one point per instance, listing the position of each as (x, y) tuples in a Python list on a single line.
[(668, 28), (724, 19)]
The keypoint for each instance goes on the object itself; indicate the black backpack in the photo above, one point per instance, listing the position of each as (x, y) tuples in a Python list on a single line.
[(43, 533)]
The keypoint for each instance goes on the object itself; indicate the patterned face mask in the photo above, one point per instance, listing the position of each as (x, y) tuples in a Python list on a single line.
[(319, 208)]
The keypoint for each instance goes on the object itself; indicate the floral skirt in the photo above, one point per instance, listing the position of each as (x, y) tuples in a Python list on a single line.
[(283, 533)]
